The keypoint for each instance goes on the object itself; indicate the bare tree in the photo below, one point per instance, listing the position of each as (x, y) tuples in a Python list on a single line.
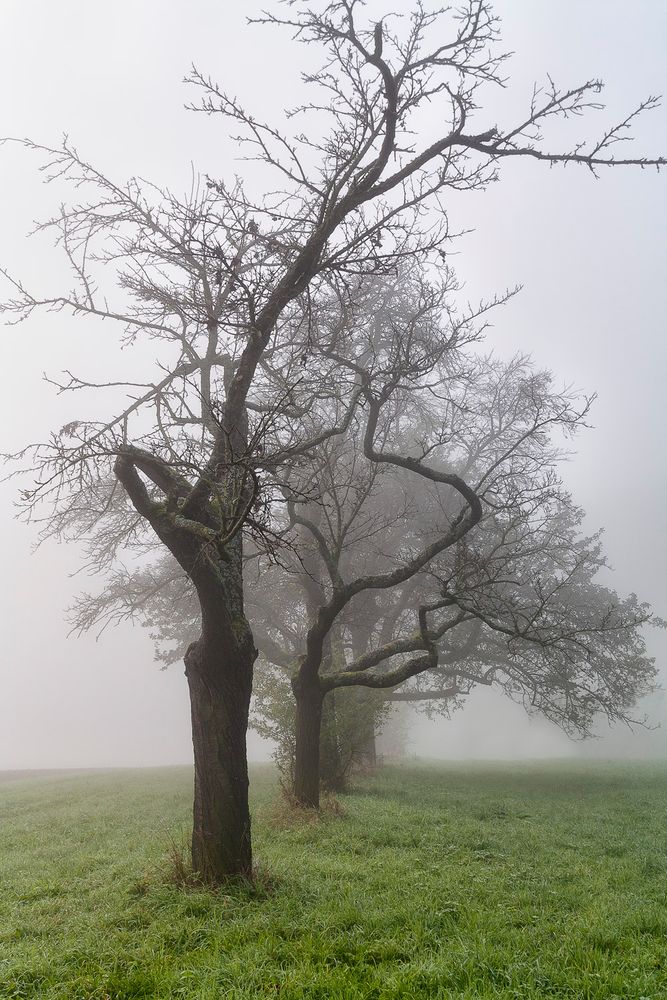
[(512, 600), (374, 595), (228, 286)]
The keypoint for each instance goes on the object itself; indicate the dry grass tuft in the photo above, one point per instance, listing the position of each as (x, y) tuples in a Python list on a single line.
[(288, 812), (177, 871), (178, 866)]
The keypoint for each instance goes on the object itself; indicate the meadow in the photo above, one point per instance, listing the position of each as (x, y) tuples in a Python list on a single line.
[(427, 880)]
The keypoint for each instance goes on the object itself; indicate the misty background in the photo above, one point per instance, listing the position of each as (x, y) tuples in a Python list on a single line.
[(590, 254)]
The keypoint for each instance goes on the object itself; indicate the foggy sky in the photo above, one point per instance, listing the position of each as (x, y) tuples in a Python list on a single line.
[(590, 254)]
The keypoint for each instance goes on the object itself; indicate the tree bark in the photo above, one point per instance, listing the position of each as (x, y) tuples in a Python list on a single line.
[(220, 701), (307, 751)]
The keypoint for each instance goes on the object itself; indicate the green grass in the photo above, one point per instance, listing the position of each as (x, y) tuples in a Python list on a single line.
[(477, 881)]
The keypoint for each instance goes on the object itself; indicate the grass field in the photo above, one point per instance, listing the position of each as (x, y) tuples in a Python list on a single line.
[(467, 881)]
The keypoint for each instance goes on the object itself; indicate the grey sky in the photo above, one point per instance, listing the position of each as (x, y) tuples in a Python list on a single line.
[(591, 256)]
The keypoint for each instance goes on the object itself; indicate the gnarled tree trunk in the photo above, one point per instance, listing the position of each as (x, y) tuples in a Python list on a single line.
[(219, 669), (219, 665), (219, 701)]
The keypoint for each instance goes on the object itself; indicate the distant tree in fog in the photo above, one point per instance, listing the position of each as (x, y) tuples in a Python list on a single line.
[(370, 593), (229, 287)]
